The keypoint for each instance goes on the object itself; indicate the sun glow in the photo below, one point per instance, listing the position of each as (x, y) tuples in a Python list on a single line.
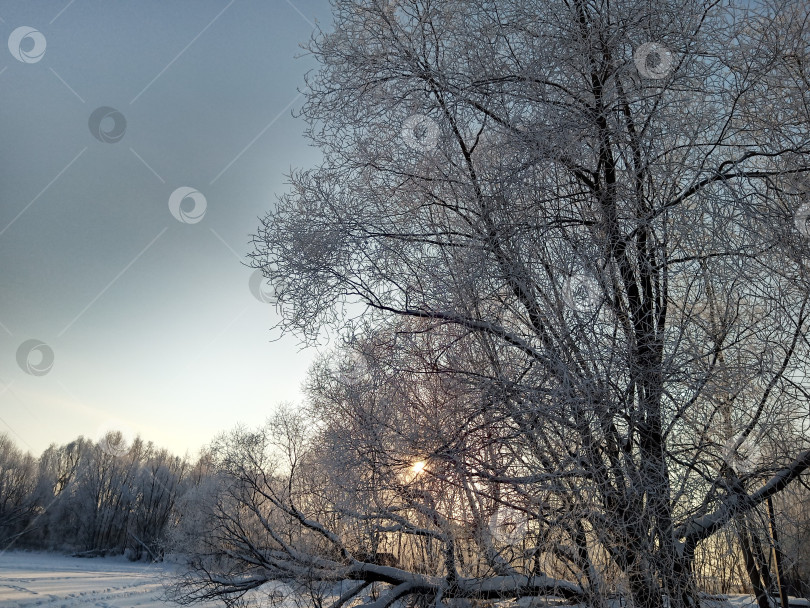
[(418, 467)]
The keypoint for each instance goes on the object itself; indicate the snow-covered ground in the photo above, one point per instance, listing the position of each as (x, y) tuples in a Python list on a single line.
[(29, 579), (56, 581)]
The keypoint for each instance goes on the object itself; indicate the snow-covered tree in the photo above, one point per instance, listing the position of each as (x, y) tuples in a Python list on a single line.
[(17, 486), (589, 220)]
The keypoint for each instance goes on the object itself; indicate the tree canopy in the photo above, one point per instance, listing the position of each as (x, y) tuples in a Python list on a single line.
[(564, 242)]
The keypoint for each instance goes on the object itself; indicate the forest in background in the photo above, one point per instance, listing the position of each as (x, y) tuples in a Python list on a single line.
[(95, 498), (113, 497), (562, 246)]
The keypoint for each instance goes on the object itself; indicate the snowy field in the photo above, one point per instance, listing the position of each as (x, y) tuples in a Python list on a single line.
[(42, 579), (47, 580)]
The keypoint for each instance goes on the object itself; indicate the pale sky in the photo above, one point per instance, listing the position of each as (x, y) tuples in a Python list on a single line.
[(151, 321)]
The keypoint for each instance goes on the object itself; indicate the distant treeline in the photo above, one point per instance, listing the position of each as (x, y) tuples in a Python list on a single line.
[(93, 498)]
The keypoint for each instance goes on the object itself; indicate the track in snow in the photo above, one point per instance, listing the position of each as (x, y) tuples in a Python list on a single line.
[(32, 580)]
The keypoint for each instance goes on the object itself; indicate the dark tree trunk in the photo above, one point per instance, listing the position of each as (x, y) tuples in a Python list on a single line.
[(751, 565)]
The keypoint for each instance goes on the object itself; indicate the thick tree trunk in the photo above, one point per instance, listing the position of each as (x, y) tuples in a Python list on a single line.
[(777, 556), (751, 565), (644, 589)]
